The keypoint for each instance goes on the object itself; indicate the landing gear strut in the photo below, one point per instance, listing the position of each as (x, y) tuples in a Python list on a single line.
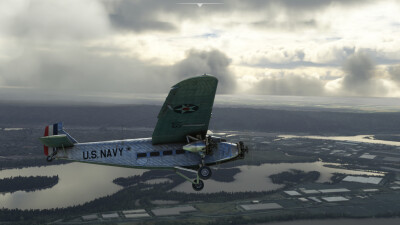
[(204, 147), (51, 157), (197, 184)]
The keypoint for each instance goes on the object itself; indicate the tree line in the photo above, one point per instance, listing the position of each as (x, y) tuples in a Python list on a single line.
[(31, 183)]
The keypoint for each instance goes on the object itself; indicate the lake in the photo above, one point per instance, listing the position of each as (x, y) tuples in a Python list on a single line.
[(80, 182), (256, 178)]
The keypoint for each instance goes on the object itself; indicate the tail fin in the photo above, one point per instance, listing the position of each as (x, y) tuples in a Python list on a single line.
[(62, 138)]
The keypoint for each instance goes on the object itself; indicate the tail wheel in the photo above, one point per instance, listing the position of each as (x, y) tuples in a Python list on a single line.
[(198, 186), (49, 158), (204, 172)]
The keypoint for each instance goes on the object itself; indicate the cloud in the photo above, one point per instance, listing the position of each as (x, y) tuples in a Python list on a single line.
[(53, 20), (141, 16), (145, 46), (330, 54), (360, 77), (212, 62), (394, 72), (80, 71), (322, 55), (155, 15), (311, 5), (289, 84)]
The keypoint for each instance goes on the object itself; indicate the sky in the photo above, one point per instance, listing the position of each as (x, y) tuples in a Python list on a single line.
[(79, 48)]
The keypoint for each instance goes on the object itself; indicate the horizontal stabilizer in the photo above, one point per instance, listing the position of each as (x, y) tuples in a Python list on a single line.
[(57, 141)]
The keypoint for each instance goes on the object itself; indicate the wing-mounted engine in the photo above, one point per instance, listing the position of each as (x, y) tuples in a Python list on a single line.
[(203, 147), (196, 146)]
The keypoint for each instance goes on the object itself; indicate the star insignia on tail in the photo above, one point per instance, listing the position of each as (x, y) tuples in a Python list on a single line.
[(186, 108)]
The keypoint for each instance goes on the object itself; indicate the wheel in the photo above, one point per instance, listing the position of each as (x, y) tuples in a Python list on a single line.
[(49, 158), (204, 172), (199, 186)]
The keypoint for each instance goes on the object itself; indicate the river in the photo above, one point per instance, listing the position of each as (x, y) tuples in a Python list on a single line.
[(358, 138)]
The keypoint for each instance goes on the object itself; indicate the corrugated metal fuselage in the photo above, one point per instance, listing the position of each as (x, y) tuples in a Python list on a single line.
[(141, 153)]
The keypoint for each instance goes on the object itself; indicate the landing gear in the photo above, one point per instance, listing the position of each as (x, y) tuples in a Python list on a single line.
[(204, 147), (198, 186), (51, 157), (204, 172)]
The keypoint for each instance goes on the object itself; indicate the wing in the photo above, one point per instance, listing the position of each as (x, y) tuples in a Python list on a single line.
[(186, 111)]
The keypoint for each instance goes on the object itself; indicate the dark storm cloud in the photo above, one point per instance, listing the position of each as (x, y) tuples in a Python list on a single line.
[(141, 15), (379, 57), (360, 76), (146, 15), (289, 84), (212, 62)]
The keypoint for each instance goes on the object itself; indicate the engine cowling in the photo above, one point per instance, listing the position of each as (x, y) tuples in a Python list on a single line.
[(197, 146)]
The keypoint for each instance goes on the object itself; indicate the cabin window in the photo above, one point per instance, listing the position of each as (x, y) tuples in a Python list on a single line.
[(154, 153), (169, 152), (180, 151), (141, 155)]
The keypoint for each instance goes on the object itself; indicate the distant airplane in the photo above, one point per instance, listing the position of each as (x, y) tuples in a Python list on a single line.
[(179, 141)]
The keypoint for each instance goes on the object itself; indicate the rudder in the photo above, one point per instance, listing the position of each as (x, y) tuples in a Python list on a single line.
[(63, 138)]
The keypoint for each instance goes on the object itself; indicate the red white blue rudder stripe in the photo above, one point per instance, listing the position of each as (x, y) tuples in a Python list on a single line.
[(49, 131)]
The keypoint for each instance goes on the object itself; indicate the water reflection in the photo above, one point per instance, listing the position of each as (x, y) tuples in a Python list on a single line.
[(78, 183), (358, 138), (256, 178)]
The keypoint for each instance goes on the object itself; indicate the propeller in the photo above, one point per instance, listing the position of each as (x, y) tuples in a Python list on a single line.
[(250, 157), (247, 155)]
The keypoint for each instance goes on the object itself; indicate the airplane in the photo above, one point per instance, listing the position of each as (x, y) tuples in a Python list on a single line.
[(179, 142)]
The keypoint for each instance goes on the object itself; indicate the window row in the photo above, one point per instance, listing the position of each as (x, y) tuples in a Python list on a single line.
[(167, 152)]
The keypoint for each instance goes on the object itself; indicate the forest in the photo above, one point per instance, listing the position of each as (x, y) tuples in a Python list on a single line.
[(31, 183)]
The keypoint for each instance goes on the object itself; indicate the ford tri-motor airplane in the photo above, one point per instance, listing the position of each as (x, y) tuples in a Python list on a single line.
[(179, 141)]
